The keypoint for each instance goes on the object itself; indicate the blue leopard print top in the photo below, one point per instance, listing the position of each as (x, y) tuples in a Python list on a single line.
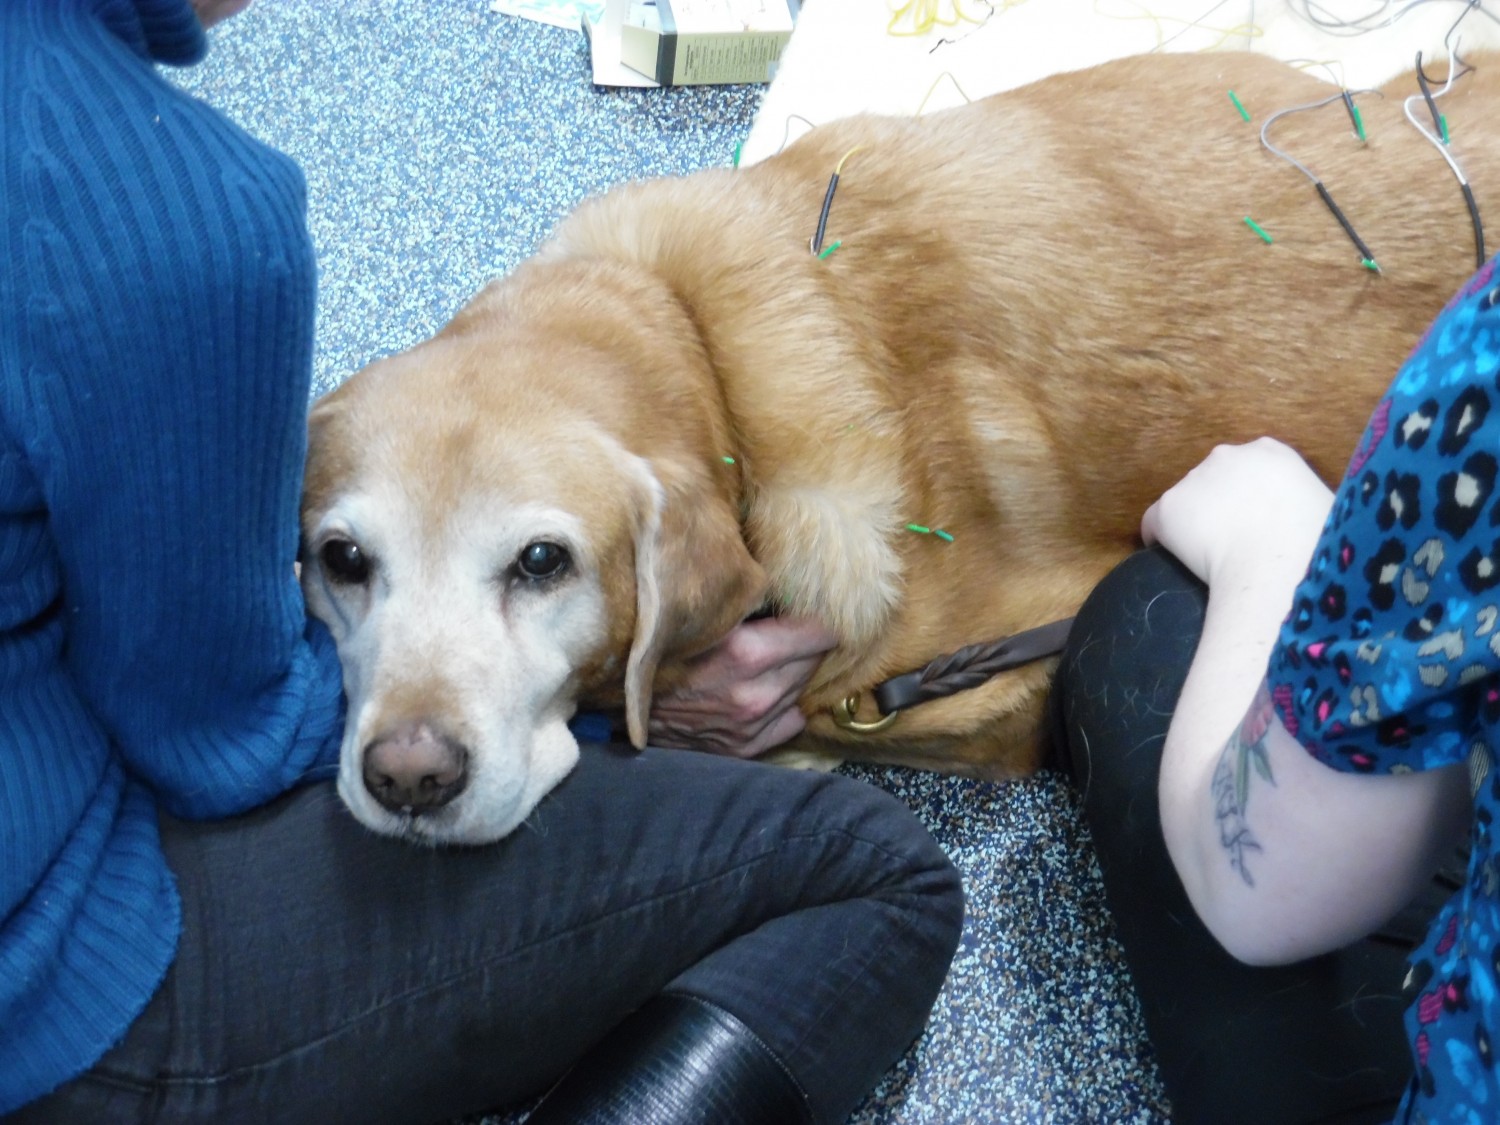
[(1390, 661)]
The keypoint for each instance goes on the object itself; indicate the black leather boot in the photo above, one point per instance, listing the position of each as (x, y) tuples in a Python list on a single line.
[(677, 1060)]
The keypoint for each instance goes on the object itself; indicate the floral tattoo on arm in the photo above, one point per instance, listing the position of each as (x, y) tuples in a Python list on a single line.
[(1243, 759)]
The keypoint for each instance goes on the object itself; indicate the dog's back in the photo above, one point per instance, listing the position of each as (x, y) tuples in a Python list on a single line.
[(1043, 309)]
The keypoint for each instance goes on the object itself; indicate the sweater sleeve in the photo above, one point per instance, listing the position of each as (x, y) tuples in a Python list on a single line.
[(1390, 659), (167, 302)]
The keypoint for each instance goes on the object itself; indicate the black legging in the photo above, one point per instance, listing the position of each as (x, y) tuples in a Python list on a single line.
[(1319, 1041), (327, 974)]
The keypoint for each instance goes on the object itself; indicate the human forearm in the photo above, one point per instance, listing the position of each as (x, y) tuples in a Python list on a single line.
[(1282, 856), (1211, 761)]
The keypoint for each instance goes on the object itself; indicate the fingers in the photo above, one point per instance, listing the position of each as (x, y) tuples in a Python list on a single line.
[(785, 725), (740, 697), (737, 742), (757, 647), (742, 718), (734, 696)]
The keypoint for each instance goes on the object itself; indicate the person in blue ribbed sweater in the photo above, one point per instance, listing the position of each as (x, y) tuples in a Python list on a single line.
[(192, 928)]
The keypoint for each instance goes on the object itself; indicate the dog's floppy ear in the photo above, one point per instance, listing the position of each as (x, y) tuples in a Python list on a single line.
[(694, 581), (327, 459)]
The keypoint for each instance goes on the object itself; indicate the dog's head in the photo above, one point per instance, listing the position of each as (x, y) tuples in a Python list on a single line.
[(496, 525)]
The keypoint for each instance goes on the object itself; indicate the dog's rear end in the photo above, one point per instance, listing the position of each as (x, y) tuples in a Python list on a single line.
[(1043, 310)]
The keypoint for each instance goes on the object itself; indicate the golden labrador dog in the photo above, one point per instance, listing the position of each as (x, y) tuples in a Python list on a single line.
[(1042, 310)]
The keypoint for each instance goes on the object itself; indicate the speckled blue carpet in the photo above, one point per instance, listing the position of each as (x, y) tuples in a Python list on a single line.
[(441, 143)]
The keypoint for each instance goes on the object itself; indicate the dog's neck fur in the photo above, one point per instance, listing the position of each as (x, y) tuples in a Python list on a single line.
[(845, 507)]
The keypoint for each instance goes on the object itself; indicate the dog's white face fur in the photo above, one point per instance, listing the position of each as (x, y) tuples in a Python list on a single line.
[(468, 614), (447, 632), (480, 567)]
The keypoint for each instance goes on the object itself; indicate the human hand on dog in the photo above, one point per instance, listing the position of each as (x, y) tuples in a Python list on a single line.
[(1244, 510), (740, 697)]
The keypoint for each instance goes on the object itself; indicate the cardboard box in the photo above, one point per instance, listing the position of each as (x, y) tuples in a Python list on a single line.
[(703, 42)]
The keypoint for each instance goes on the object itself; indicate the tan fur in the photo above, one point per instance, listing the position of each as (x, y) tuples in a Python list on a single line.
[(1046, 308)]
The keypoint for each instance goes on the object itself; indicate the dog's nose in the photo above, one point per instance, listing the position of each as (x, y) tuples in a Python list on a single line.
[(415, 769)]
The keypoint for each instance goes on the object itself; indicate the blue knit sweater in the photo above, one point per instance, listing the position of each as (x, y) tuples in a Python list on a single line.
[(156, 315)]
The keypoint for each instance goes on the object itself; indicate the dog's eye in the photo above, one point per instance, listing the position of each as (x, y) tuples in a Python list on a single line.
[(541, 560), (345, 563)]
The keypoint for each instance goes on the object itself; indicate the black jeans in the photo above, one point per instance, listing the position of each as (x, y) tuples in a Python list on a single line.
[(1319, 1041), (328, 975)]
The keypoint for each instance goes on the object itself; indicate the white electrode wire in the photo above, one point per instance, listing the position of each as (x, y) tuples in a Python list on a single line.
[(1432, 138)]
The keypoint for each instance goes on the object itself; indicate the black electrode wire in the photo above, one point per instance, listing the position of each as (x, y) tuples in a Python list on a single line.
[(1474, 219), (1383, 16), (1353, 113), (817, 238), (1366, 258), (1422, 84), (989, 15), (1454, 73), (1451, 43), (833, 182), (1336, 76)]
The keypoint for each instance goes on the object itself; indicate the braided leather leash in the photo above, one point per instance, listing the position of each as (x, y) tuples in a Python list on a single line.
[(954, 672)]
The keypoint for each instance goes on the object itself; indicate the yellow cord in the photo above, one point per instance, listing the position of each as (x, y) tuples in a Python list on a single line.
[(925, 15), (933, 88), (839, 168)]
